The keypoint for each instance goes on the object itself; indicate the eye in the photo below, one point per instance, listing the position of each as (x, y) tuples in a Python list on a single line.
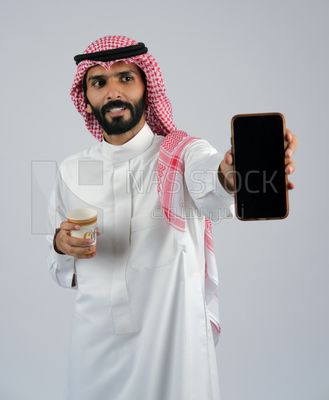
[(126, 78), (98, 83)]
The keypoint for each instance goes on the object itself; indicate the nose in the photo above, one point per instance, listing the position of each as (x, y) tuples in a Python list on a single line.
[(113, 91)]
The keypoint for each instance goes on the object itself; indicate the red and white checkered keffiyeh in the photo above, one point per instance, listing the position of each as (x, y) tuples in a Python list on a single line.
[(158, 108), (170, 169)]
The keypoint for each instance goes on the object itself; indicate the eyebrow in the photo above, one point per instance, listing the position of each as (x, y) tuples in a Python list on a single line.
[(121, 73)]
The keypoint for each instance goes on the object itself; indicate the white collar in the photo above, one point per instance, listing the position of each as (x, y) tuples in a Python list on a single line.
[(134, 147)]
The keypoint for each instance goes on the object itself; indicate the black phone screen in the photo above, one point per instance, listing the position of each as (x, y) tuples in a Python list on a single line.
[(258, 150)]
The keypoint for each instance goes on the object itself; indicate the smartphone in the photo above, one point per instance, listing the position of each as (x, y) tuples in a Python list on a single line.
[(259, 166)]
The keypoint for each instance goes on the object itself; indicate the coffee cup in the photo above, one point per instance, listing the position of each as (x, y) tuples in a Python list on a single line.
[(86, 218)]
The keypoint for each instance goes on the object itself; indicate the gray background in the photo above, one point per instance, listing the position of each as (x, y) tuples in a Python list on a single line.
[(219, 58)]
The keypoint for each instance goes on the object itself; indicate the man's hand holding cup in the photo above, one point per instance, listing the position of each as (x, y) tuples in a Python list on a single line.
[(77, 236)]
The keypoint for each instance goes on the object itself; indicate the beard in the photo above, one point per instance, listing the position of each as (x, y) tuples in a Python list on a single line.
[(119, 125)]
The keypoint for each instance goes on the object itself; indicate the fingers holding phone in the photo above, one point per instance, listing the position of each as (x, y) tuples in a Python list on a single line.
[(290, 147)]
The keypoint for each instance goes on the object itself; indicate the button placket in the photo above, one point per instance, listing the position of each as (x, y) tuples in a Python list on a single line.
[(123, 319)]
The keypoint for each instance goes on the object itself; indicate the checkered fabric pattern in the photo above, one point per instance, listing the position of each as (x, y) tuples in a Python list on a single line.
[(170, 168), (158, 108)]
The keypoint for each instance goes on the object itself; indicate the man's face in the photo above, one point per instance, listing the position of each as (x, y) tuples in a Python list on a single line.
[(116, 97)]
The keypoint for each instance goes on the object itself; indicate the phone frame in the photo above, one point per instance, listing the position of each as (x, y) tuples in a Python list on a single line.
[(234, 170)]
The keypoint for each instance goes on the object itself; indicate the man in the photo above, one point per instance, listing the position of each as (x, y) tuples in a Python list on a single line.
[(145, 322)]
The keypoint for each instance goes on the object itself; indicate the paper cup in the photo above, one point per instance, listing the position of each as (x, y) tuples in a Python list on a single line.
[(86, 218)]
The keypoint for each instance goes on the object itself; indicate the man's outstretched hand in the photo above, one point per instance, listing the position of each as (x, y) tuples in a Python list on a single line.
[(225, 171)]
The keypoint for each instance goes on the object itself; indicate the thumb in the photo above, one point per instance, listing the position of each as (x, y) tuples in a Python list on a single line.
[(68, 226), (228, 158)]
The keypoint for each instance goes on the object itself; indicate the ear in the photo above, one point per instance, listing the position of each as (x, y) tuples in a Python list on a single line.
[(89, 109)]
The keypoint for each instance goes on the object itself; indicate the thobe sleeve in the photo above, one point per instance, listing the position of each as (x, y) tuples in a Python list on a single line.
[(61, 266), (201, 162)]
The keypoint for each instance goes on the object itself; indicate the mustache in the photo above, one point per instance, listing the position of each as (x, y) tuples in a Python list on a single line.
[(115, 104)]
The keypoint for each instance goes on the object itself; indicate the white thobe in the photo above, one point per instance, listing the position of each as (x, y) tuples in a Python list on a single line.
[(140, 327)]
